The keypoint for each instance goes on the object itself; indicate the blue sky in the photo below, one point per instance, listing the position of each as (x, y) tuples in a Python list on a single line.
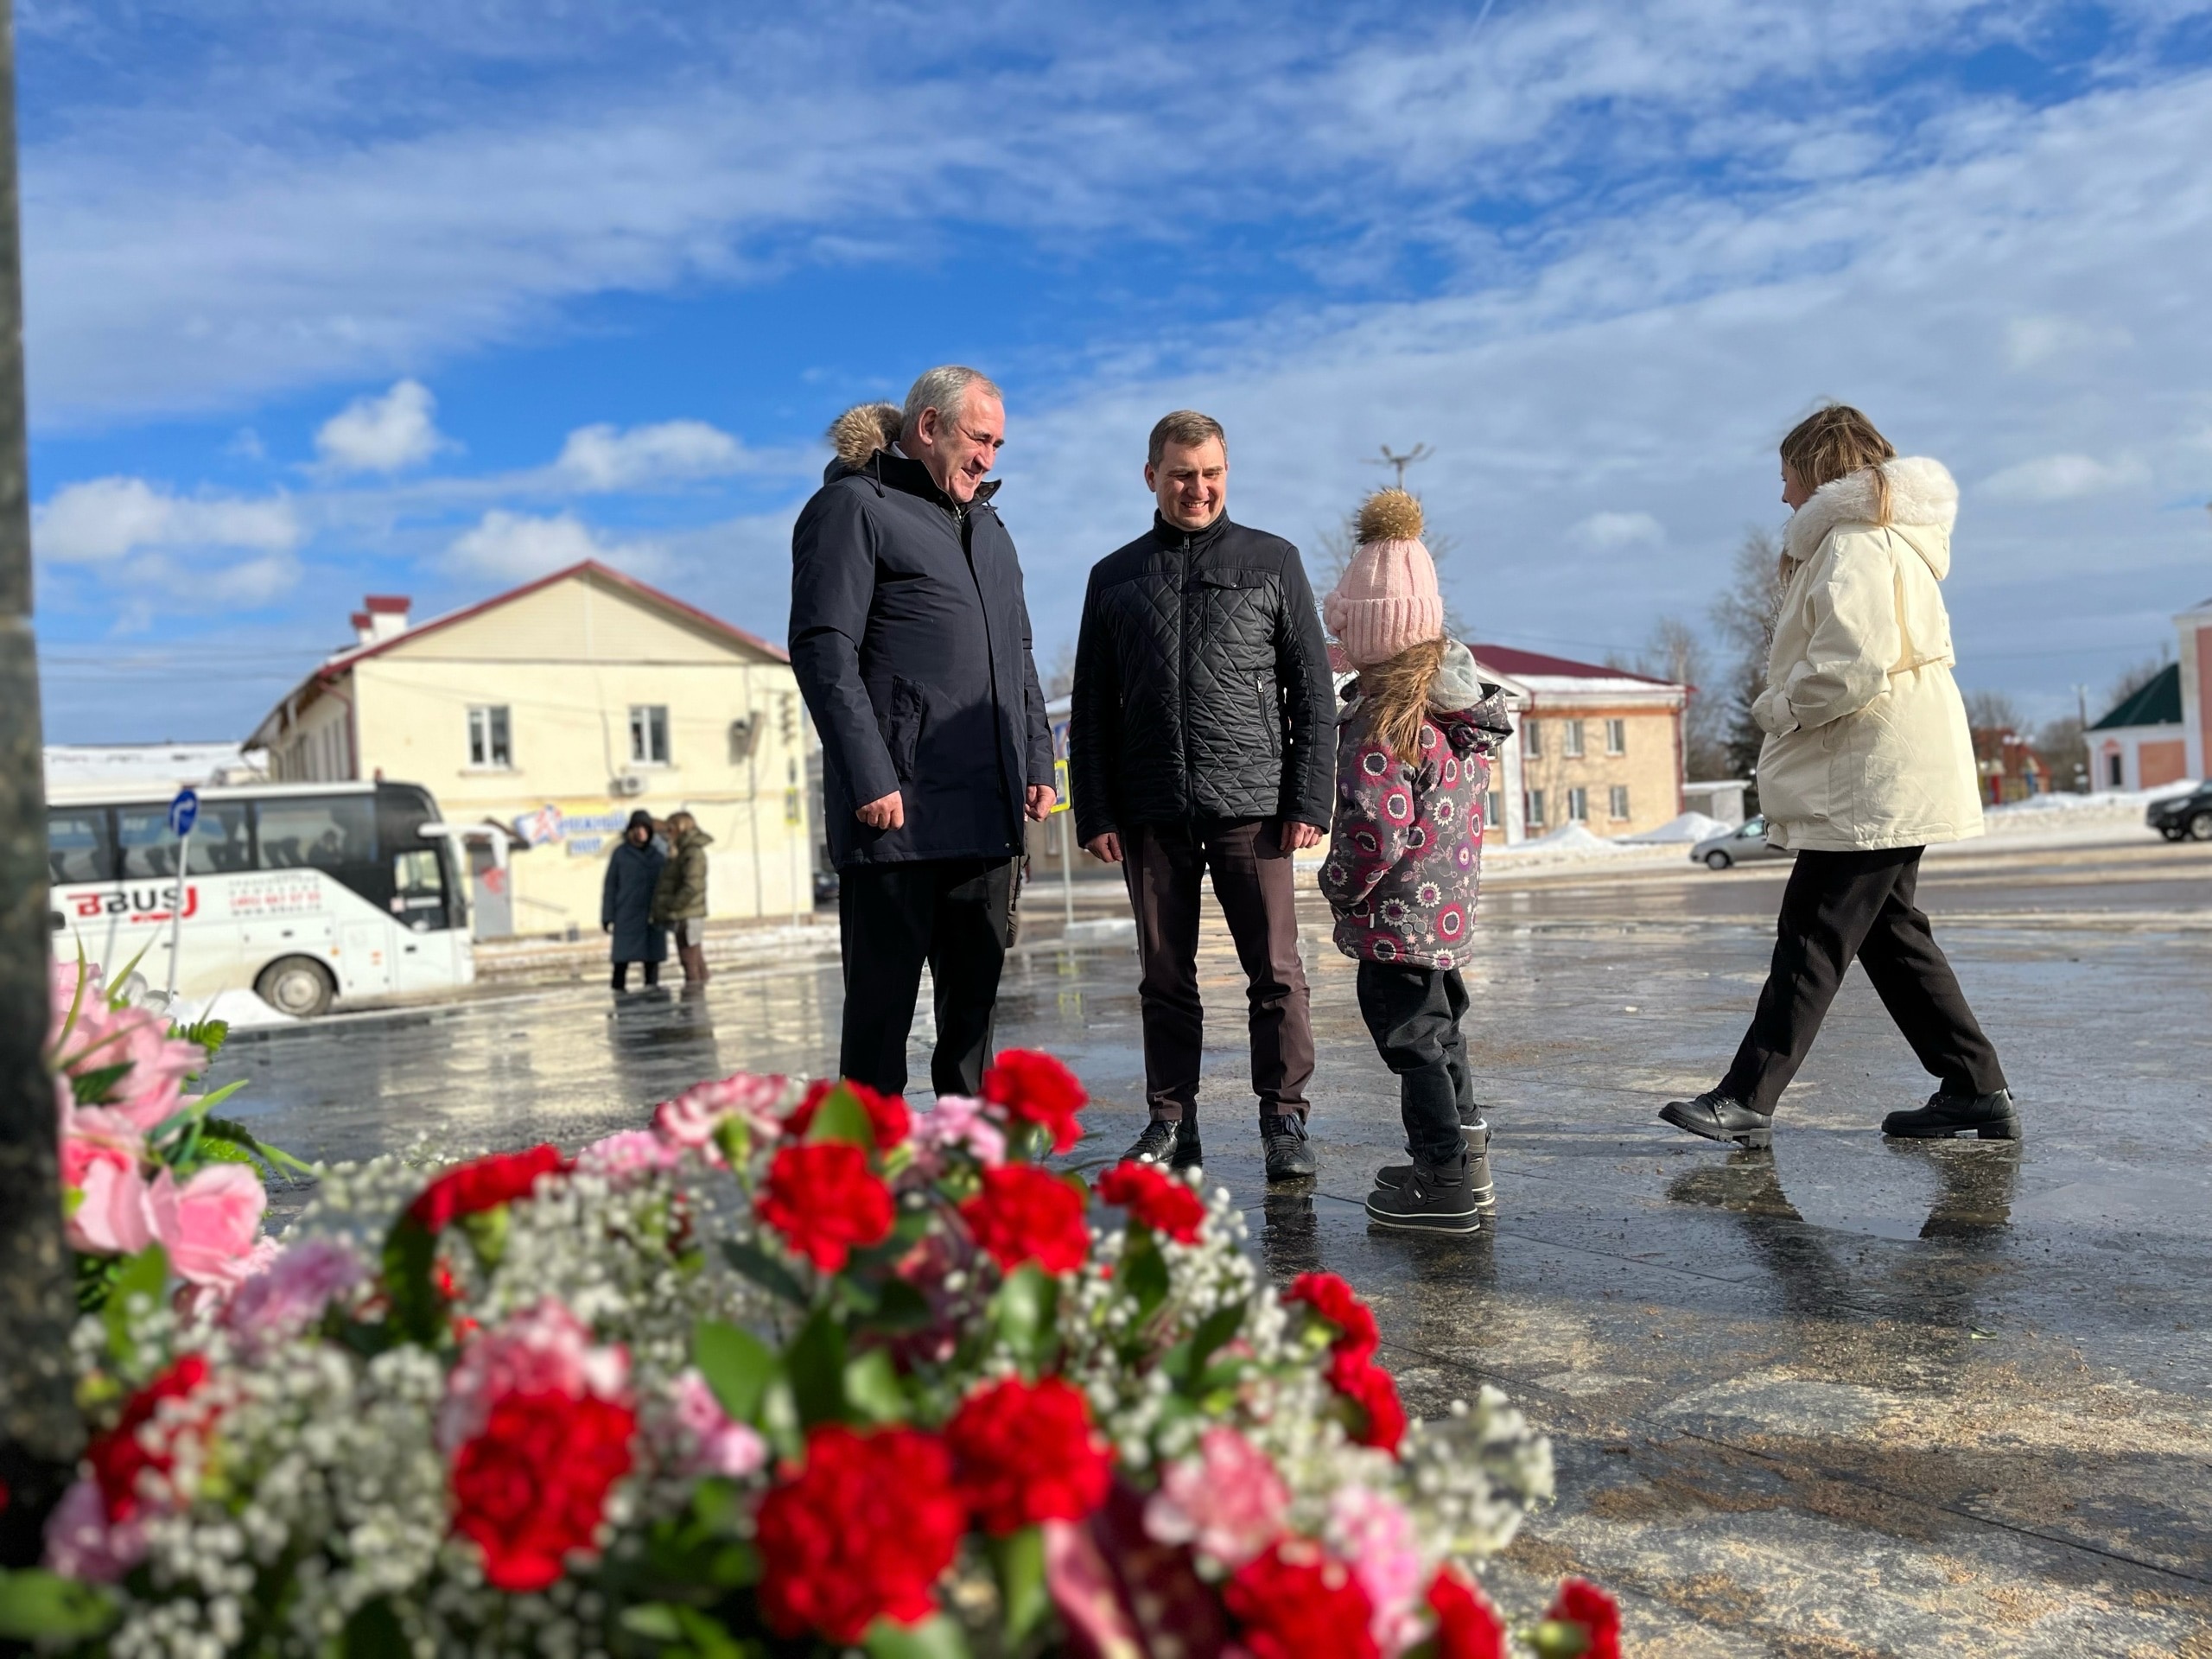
[(332, 296)]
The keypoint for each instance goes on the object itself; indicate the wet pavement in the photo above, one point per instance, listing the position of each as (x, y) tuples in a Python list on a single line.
[(1843, 1398)]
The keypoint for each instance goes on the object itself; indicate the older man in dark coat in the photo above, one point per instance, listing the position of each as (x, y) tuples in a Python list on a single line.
[(910, 638)]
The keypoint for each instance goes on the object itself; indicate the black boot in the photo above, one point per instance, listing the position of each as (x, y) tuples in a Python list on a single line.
[(1172, 1141), (1474, 1135), (1282, 1136), (1434, 1199), (1716, 1118), (1988, 1117)]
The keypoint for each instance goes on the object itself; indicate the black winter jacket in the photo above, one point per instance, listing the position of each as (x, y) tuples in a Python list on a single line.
[(1202, 688), (910, 638), (625, 903)]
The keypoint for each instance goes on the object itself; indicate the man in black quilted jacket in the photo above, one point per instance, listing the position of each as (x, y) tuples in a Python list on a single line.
[(1202, 741)]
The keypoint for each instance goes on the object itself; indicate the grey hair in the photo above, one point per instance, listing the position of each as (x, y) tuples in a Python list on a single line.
[(946, 390)]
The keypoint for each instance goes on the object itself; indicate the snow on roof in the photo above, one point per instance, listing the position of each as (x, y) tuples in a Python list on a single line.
[(79, 765)]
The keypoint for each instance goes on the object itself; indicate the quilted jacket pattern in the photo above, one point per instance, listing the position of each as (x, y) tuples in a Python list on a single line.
[(1405, 846), (1202, 686)]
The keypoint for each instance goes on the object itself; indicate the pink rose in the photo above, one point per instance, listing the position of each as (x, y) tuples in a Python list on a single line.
[(629, 1151), (153, 1087), (1374, 1535), (692, 1117), (970, 1126), (82, 1543), (543, 1348), (208, 1224), (720, 1445), (283, 1299), (102, 1175), (1228, 1501)]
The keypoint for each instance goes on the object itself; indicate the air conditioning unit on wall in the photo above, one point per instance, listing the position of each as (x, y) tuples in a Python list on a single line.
[(629, 782)]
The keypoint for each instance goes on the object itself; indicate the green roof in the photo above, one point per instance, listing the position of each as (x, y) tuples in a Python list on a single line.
[(2156, 702)]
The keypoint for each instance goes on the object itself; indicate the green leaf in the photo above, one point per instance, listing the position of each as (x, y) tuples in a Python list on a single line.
[(1217, 1328), (230, 1129), (218, 1149), (372, 1632), (1559, 1638), (816, 1366), (935, 1637), (842, 1118), (486, 1230), (1025, 1312), (91, 1087), (416, 1308), (146, 1275), (1020, 1562), (210, 1035), (1142, 1274), (35, 1604), (708, 1637), (654, 1620), (737, 1364), (900, 1306), (764, 1270), (871, 1386)]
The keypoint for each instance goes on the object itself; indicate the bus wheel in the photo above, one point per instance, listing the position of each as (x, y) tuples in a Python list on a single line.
[(299, 985)]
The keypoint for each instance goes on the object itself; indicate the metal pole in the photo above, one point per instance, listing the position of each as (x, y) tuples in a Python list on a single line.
[(1067, 868), (176, 913), (40, 1433)]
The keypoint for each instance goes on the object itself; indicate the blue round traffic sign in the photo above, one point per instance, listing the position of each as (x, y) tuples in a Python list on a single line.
[(184, 812)]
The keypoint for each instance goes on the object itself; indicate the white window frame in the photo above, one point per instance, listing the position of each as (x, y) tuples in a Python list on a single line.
[(1615, 737), (649, 721), (1570, 745), (1617, 802), (1535, 809), (1578, 805), (491, 731), (1531, 738)]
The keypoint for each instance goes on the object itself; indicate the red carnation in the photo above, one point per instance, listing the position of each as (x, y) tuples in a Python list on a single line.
[(1293, 1601), (1335, 1301), (485, 1184), (888, 1120), (1467, 1626), (1159, 1201), (1037, 1089), (1029, 1454), (1580, 1602), (1024, 1214), (1368, 1386), (862, 1531), (532, 1486), (825, 1200), (121, 1455)]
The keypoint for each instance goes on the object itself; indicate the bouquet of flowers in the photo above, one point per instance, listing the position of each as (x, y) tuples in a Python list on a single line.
[(793, 1371)]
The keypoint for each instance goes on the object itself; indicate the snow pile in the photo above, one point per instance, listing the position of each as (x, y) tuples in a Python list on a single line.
[(2067, 812), (1685, 831), (1572, 838)]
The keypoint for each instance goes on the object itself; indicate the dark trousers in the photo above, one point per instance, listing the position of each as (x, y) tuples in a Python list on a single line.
[(954, 913), (1413, 1015), (622, 974), (1839, 905), (1166, 867)]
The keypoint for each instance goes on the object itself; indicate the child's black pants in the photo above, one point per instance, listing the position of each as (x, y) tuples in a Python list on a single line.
[(1413, 1015)]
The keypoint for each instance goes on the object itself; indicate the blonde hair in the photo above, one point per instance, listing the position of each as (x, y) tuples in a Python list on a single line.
[(680, 821), (1396, 693), (1835, 443)]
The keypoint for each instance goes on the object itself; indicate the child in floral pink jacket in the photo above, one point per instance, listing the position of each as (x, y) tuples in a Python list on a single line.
[(1405, 854)]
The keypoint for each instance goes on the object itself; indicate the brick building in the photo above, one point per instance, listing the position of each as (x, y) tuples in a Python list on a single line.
[(1596, 745)]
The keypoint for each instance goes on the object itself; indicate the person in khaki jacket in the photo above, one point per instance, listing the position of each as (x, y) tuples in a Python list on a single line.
[(680, 896), (1866, 762)]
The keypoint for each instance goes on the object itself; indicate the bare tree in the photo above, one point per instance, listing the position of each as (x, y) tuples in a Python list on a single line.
[(1993, 711), (1676, 652), (1743, 613), (2064, 744), (2134, 678), (1059, 677)]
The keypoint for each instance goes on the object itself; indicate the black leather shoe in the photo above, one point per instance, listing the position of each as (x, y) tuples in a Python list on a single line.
[(1474, 1135), (1289, 1156), (1434, 1199), (1174, 1143), (1716, 1118), (1987, 1118)]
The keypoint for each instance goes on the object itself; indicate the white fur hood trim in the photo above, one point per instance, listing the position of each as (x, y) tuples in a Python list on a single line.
[(1921, 495)]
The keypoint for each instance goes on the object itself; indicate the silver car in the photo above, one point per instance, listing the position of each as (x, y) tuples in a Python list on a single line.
[(1743, 846)]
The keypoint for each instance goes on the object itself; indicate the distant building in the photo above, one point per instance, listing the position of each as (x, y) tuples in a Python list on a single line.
[(544, 715), (174, 765), (2161, 732), (1595, 745), (2009, 767)]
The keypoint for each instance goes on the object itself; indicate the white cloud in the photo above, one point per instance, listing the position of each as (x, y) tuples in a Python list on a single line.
[(2030, 342), (516, 546), (2065, 478), (381, 435), (1612, 530), (604, 458), (107, 519)]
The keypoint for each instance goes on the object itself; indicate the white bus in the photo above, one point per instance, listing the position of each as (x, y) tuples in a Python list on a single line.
[(305, 893)]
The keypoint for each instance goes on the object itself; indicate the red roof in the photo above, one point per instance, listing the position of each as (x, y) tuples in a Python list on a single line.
[(1507, 660), (344, 660), (388, 604)]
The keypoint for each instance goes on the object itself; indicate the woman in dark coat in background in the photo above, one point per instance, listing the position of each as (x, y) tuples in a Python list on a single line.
[(625, 902)]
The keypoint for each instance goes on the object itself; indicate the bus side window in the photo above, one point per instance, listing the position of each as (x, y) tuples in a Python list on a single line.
[(219, 840), (323, 832), (79, 847)]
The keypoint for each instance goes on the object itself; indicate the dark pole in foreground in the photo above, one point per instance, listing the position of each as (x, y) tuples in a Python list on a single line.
[(39, 1431)]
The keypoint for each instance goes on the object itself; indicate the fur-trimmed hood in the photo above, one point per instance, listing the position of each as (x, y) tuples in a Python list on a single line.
[(861, 430), (1922, 496)]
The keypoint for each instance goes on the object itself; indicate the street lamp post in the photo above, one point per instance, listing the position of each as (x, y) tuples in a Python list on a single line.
[(39, 1428)]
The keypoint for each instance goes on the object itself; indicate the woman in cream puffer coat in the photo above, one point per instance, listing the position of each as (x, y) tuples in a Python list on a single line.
[(1866, 762)]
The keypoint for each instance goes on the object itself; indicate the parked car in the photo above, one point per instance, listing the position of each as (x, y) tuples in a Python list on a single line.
[(1745, 845), (2181, 817), (825, 887)]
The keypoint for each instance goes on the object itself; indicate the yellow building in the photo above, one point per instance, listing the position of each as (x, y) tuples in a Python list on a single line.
[(1595, 745), (552, 712)]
